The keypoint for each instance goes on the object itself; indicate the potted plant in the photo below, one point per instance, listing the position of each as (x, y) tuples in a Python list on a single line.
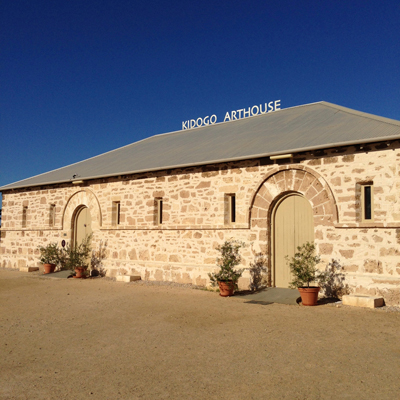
[(76, 258), (227, 277), (303, 266), (49, 257)]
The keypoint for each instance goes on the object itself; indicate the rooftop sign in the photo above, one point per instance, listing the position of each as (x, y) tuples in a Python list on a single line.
[(233, 115)]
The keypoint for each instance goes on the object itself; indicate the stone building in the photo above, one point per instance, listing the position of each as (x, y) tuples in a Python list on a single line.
[(161, 205)]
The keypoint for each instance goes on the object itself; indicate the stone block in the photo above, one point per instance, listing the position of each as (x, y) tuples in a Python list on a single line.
[(29, 269), (358, 300), (128, 278)]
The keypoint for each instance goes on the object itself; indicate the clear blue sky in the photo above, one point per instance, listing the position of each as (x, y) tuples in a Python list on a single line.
[(79, 78)]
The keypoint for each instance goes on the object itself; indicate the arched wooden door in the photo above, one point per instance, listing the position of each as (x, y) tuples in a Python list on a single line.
[(82, 225), (293, 225)]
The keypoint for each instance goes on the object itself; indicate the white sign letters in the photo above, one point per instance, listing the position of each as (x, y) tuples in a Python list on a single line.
[(233, 115)]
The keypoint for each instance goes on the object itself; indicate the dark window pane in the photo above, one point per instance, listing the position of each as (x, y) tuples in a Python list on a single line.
[(367, 202), (233, 209)]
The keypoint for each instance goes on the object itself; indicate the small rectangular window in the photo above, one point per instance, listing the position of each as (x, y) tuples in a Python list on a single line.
[(233, 208), (158, 203), (367, 202), (116, 213), (230, 208), (24, 216), (52, 214)]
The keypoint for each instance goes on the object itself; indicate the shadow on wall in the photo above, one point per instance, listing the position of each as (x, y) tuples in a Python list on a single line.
[(334, 286), (258, 272), (96, 262)]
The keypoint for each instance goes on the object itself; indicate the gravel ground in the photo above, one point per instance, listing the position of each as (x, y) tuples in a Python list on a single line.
[(101, 339)]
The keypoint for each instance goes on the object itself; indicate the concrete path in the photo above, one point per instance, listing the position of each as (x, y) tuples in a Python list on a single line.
[(272, 295), (58, 274), (264, 297)]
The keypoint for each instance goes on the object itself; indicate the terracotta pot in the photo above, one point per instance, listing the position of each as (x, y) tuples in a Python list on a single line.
[(309, 296), (49, 268), (80, 272), (226, 288)]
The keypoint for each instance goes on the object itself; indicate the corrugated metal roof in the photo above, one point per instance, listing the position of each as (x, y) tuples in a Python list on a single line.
[(308, 127)]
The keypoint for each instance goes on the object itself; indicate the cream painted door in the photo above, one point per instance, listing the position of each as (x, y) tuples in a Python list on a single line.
[(83, 225), (293, 226)]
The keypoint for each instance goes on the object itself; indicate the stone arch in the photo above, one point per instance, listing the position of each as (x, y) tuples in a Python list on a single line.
[(301, 179), (82, 198), (282, 181)]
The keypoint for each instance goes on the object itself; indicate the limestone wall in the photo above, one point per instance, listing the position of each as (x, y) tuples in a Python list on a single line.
[(195, 219)]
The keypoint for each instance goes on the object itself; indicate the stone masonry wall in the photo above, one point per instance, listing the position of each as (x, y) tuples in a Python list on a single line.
[(195, 219)]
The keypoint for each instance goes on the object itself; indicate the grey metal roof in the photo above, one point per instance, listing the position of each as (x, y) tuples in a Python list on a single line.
[(308, 127)]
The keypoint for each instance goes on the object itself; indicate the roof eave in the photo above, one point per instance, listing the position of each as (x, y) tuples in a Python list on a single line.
[(233, 159)]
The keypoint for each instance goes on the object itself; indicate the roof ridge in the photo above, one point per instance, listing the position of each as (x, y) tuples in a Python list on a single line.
[(273, 133), (234, 120), (362, 113)]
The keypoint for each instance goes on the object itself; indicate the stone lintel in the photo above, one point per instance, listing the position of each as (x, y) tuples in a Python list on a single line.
[(29, 269), (358, 300), (128, 278)]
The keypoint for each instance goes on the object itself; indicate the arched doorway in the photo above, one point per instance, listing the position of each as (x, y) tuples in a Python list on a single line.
[(82, 224), (293, 225)]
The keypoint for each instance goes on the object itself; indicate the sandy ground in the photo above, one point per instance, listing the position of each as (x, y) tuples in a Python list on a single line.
[(100, 339)]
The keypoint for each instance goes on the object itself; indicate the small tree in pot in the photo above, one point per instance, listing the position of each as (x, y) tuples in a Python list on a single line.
[(303, 266), (76, 257), (49, 257), (227, 276)]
